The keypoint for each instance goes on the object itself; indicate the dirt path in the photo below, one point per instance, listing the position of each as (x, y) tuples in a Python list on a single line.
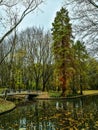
[(43, 95)]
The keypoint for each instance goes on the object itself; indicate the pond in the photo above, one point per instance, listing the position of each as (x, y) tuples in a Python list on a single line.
[(76, 114)]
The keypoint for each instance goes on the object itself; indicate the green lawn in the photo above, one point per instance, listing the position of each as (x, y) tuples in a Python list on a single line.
[(54, 94), (86, 92), (6, 105)]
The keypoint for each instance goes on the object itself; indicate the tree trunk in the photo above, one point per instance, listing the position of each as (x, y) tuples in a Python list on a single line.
[(74, 90), (63, 86), (81, 90), (44, 86), (37, 84)]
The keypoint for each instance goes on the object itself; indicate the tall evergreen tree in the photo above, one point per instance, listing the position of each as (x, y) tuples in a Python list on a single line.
[(61, 32)]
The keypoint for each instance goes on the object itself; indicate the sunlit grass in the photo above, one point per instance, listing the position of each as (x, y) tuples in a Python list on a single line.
[(86, 92), (54, 94), (5, 105)]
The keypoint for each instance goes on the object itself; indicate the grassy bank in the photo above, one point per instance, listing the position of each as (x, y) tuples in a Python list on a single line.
[(6, 105), (85, 92), (90, 92)]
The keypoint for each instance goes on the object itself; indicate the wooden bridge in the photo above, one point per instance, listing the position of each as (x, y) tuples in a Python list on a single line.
[(29, 95)]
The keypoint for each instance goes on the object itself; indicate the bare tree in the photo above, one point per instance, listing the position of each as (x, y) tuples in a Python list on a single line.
[(39, 57), (12, 14), (84, 16), (15, 9), (47, 59)]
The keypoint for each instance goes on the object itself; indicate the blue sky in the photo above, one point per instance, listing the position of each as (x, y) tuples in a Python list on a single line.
[(43, 16)]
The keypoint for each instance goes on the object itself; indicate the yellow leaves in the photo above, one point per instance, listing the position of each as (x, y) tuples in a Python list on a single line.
[(15, 125), (68, 113), (55, 116), (73, 128), (96, 123)]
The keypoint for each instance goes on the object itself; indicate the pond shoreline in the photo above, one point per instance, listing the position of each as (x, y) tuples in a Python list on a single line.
[(7, 111), (42, 97), (62, 98), (53, 114)]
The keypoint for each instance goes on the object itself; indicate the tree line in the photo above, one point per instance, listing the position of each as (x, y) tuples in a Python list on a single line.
[(35, 59)]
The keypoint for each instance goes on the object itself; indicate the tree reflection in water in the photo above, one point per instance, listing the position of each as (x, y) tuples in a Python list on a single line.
[(77, 114)]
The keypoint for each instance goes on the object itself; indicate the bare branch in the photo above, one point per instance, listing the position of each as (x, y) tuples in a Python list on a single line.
[(6, 55), (1, 1), (30, 7), (93, 3), (84, 19)]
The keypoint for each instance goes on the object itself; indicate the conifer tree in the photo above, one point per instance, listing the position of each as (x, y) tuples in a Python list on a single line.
[(62, 32)]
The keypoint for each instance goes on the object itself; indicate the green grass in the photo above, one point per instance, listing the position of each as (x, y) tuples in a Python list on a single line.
[(54, 94), (2, 89), (6, 105), (87, 92)]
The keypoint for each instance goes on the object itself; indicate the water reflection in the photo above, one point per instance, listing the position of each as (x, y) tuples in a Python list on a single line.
[(77, 114)]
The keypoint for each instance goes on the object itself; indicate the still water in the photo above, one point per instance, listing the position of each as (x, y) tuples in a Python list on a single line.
[(77, 114)]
